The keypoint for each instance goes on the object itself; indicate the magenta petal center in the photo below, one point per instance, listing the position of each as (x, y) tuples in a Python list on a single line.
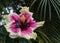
[(22, 25)]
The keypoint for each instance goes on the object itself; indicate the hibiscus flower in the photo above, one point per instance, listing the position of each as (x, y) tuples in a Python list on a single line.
[(22, 25)]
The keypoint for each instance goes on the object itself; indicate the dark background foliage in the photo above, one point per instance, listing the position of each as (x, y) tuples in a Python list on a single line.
[(44, 10)]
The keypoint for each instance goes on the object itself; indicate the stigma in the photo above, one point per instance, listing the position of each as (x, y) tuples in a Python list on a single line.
[(22, 18)]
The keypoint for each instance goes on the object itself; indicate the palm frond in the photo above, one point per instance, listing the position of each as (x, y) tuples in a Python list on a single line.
[(45, 7)]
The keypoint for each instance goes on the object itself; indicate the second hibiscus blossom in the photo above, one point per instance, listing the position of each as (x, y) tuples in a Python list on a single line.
[(22, 25)]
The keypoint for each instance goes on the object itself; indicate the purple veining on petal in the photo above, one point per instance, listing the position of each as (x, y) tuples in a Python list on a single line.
[(13, 17), (27, 31)]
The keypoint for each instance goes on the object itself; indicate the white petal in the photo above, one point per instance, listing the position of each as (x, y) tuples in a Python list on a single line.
[(40, 23), (27, 36), (6, 19), (7, 26), (19, 34), (13, 35), (24, 9), (30, 13), (31, 36)]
